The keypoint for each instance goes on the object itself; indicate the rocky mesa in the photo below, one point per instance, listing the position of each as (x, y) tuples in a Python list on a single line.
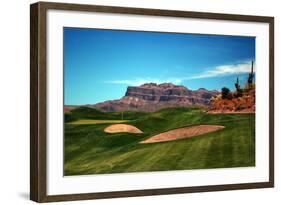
[(150, 97)]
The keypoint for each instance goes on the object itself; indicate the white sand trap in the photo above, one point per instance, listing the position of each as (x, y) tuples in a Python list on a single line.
[(116, 128), (182, 133)]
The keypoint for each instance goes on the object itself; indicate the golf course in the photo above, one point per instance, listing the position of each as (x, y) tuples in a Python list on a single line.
[(89, 148)]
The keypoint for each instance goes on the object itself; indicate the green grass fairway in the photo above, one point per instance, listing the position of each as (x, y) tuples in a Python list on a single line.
[(89, 150), (87, 122)]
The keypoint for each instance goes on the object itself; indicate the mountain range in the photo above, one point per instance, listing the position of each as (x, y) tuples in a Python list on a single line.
[(150, 97)]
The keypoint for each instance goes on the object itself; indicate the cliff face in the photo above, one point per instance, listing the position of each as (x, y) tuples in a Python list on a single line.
[(151, 97), (158, 93)]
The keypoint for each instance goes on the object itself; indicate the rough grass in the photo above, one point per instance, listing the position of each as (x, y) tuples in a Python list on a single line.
[(89, 150)]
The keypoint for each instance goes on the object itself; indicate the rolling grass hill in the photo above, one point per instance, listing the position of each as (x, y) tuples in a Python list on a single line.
[(91, 113), (89, 150)]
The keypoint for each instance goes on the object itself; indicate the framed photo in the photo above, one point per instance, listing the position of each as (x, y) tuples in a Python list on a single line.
[(135, 102)]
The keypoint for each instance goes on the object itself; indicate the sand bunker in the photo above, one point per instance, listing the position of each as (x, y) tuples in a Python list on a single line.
[(181, 133), (122, 128)]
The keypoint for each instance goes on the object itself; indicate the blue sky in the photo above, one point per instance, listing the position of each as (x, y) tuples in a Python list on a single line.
[(100, 64)]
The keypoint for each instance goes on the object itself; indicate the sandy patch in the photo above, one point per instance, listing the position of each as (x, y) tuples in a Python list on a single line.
[(181, 133), (122, 128)]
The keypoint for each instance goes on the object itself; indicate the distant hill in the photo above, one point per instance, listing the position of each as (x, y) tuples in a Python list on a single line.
[(150, 97), (68, 108)]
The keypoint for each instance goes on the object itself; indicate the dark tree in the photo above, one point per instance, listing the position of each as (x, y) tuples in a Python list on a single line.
[(237, 86), (239, 91), (225, 92), (251, 75)]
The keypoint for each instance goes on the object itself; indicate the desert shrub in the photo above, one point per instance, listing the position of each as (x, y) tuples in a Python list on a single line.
[(239, 93), (249, 87), (218, 97), (224, 92), (229, 96)]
